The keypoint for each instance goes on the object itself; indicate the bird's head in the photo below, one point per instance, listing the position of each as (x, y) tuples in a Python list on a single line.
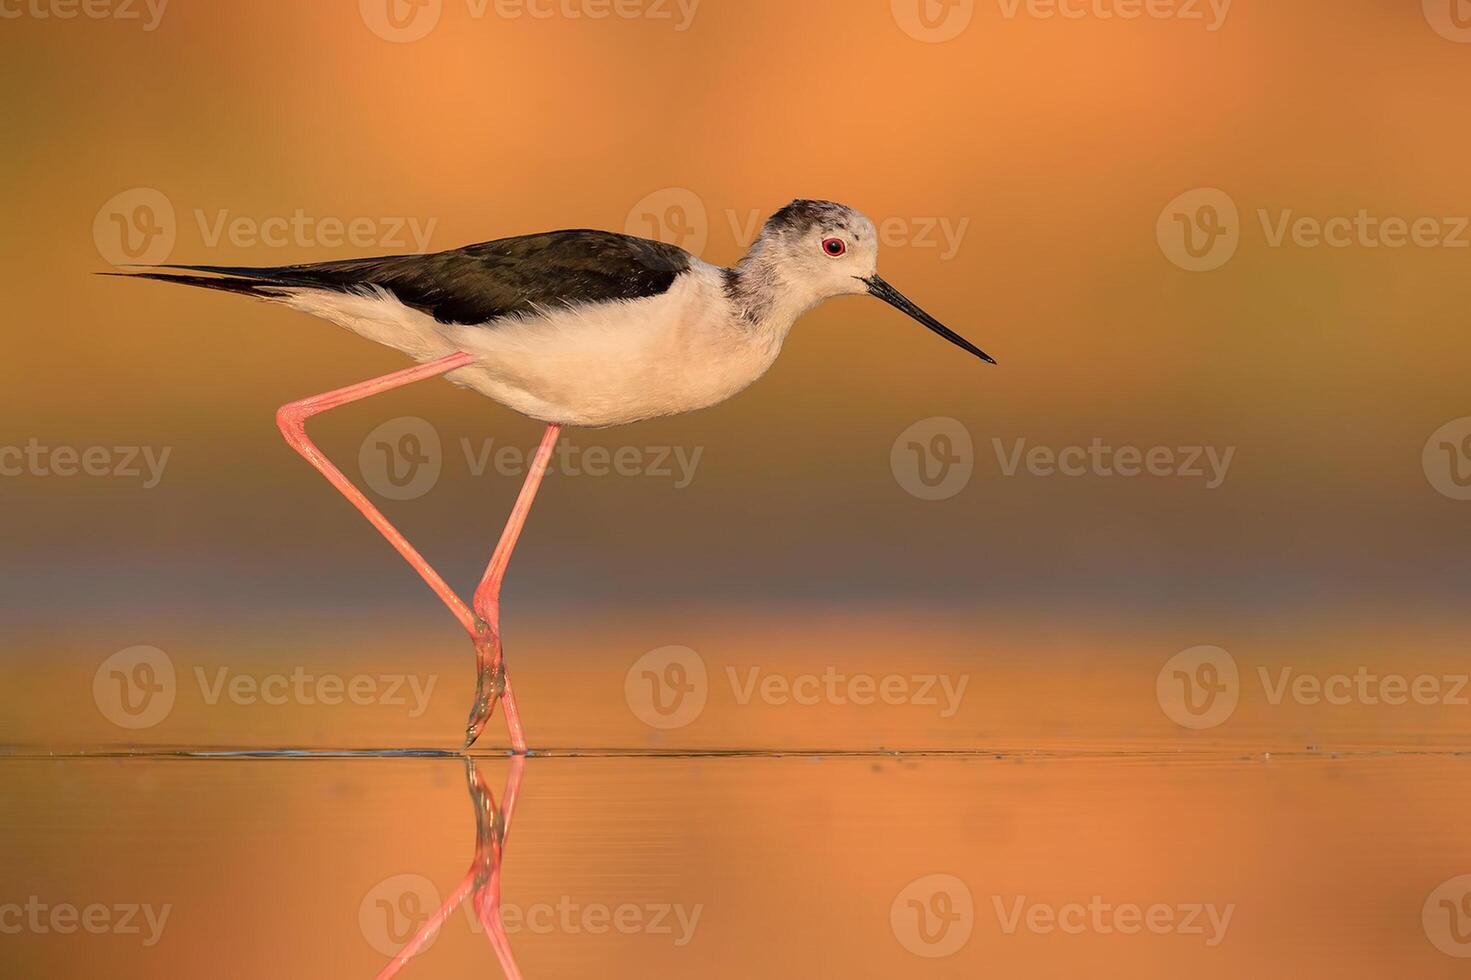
[(825, 249)]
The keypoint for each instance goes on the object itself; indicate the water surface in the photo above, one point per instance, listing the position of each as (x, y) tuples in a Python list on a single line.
[(1204, 865)]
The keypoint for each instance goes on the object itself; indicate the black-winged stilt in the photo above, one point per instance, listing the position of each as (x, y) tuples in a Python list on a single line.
[(580, 327)]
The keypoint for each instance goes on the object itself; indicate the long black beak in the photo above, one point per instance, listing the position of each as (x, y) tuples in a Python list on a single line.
[(896, 299)]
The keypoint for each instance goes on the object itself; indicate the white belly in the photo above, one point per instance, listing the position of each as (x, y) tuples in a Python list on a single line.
[(593, 365)]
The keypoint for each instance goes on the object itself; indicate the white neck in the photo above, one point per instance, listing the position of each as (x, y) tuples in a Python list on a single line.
[(764, 297)]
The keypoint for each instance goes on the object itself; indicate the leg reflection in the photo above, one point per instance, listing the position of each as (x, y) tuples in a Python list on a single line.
[(482, 882)]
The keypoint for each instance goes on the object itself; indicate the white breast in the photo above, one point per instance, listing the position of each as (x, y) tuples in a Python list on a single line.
[(591, 365)]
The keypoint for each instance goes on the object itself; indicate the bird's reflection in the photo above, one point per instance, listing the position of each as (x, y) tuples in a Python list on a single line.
[(482, 882)]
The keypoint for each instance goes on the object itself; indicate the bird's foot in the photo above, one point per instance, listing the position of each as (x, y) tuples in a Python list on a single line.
[(490, 684)]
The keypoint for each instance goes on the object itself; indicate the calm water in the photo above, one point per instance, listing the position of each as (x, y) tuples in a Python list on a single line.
[(1210, 864), (720, 796)]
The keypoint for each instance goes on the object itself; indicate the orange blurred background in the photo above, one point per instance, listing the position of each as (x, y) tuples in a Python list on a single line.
[(1177, 230), (1024, 171)]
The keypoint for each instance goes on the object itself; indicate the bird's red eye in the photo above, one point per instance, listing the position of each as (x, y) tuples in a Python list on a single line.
[(834, 246)]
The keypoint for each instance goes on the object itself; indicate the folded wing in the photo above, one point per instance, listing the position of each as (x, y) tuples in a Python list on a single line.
[(478, 283)]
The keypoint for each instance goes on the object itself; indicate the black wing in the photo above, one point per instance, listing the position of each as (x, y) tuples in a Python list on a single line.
[(477, 283)]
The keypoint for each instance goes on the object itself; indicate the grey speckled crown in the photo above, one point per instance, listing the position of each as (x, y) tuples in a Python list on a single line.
[(801, 215)]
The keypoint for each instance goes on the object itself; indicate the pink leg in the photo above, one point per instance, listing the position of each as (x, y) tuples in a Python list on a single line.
[(487, 897), (482, 882), (291, 419), (487, 604)]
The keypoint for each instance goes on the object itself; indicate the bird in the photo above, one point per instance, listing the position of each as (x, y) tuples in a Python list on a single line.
[(577, 327)]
